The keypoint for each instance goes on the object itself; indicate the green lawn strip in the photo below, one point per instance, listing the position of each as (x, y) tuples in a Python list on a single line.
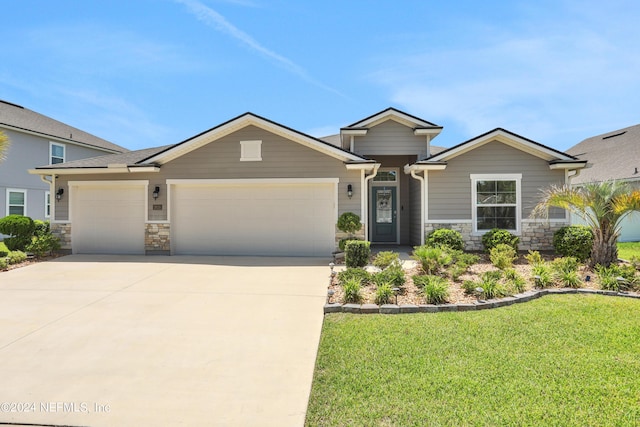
[(3, 247), (561, 360), (628, 249)]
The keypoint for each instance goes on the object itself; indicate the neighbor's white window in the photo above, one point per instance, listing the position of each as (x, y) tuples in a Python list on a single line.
[(496, 201), (47, 204), (16, 202), (250, 151), (56, 153)]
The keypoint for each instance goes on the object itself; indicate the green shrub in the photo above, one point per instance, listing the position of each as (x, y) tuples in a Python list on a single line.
[(3, 254), (635, 262), (608, 277), (385, 259), (469, 287), (45, 244), (565, 271), (492, 286), (384, 294), (494, 237), (456, 270), (360, 274), (357, 253), (502, 256), (352, 292), (19, 228), (574, 241), (569, 279), (16, 257), (432, 259), (349, 222), (3, 264), (343, 242), (534, 257), (393, 275), (434, 288), (451, 239), (41, 227), (515, 282), (464, 258), (541, 273)]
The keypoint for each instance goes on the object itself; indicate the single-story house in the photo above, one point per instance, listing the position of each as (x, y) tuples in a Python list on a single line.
[(613, 155), (251, 186)]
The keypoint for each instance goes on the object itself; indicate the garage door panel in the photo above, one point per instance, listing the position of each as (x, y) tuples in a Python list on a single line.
[(108, 219), (253, 219)]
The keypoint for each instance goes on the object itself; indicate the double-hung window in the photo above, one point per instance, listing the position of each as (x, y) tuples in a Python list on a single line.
[(16, 202), (496, 202), (56, 153)]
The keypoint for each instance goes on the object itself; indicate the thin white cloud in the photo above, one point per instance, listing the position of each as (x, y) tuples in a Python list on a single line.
[(218, 22)]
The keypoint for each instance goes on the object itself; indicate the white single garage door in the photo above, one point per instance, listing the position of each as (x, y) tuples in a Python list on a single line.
[(107, 218), (254, 218)]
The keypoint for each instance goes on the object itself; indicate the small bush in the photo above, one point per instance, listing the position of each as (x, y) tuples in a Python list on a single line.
[(3, 264), (534, 257), (434, 288), (456, 270), (469, 287), (385, 259), (574, 241), (608, 277), (393, 275), (497, 236), (451, 239), (41, 228), (349, 222), (569, 279), (16, 257), (635, 262), (432, 259), (352, 292), (343, 242), (384, 294), (541, 273), (3, 254), (502, 256), (19, 228), (564, 264), (491, 285), (359, 274), (515, 282), (44, 244), (357, 253)]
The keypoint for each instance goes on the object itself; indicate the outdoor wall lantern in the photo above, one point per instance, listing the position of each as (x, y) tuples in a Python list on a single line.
[(59, 193), (156, 192), (349, 190)]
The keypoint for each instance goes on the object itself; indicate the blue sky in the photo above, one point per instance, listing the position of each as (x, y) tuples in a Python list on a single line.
[(144, 73)]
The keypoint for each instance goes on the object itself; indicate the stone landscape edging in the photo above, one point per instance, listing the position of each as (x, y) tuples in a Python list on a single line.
[(484, 305)]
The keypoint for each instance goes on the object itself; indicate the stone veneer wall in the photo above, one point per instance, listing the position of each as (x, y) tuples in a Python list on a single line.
[(62, 232), (340, 235), (157, 237), (534, 235)]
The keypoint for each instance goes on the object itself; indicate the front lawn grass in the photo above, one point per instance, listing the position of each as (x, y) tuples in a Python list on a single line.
[(628, 249), (3, 247), (566, 360)]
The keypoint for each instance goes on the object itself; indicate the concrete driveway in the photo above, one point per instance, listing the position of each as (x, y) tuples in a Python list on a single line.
[(160, 341)]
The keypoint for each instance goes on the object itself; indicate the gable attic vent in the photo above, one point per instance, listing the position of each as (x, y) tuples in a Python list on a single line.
[(614, 135)]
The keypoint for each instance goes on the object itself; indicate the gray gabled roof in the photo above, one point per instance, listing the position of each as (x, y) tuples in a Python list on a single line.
[(611, 155), (130, 158), (16, 117)]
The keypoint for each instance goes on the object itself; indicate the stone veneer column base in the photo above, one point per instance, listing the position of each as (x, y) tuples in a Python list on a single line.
[(63, 232), (157, 239), (534, 235)]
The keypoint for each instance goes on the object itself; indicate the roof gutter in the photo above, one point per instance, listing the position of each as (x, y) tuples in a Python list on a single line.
[(100, 170)]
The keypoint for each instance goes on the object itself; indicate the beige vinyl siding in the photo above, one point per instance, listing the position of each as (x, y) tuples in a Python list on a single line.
[(281, 158), (450, 189), (391, 138)]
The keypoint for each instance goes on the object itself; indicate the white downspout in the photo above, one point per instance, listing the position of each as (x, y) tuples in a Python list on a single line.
[(422, 199), (365, 198)]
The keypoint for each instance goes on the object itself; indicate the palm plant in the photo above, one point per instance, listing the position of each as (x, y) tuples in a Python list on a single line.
[(602, 205)]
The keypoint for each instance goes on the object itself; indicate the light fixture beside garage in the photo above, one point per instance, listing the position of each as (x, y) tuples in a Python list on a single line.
[(349, 190), (156, 193), (59, 193)]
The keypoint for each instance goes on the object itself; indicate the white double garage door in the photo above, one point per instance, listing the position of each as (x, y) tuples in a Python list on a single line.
[(241, 217)]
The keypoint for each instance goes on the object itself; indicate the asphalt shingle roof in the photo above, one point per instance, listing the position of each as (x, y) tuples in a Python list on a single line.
[(612, 155), (16, 116), (130, 158)]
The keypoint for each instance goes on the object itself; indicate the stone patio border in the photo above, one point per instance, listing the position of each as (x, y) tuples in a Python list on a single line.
[(488, 304)]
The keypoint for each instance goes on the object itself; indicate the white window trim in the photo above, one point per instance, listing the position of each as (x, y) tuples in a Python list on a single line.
[(47, 203), (251, 151), (517, 177), (17, 190), (64, 151)]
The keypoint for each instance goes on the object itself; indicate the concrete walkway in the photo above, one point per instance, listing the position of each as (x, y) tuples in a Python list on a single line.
[(160, 341)]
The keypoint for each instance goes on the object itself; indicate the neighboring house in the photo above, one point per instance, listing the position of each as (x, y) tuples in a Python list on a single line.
[(36, 140), (251, 186), (612, 156)]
